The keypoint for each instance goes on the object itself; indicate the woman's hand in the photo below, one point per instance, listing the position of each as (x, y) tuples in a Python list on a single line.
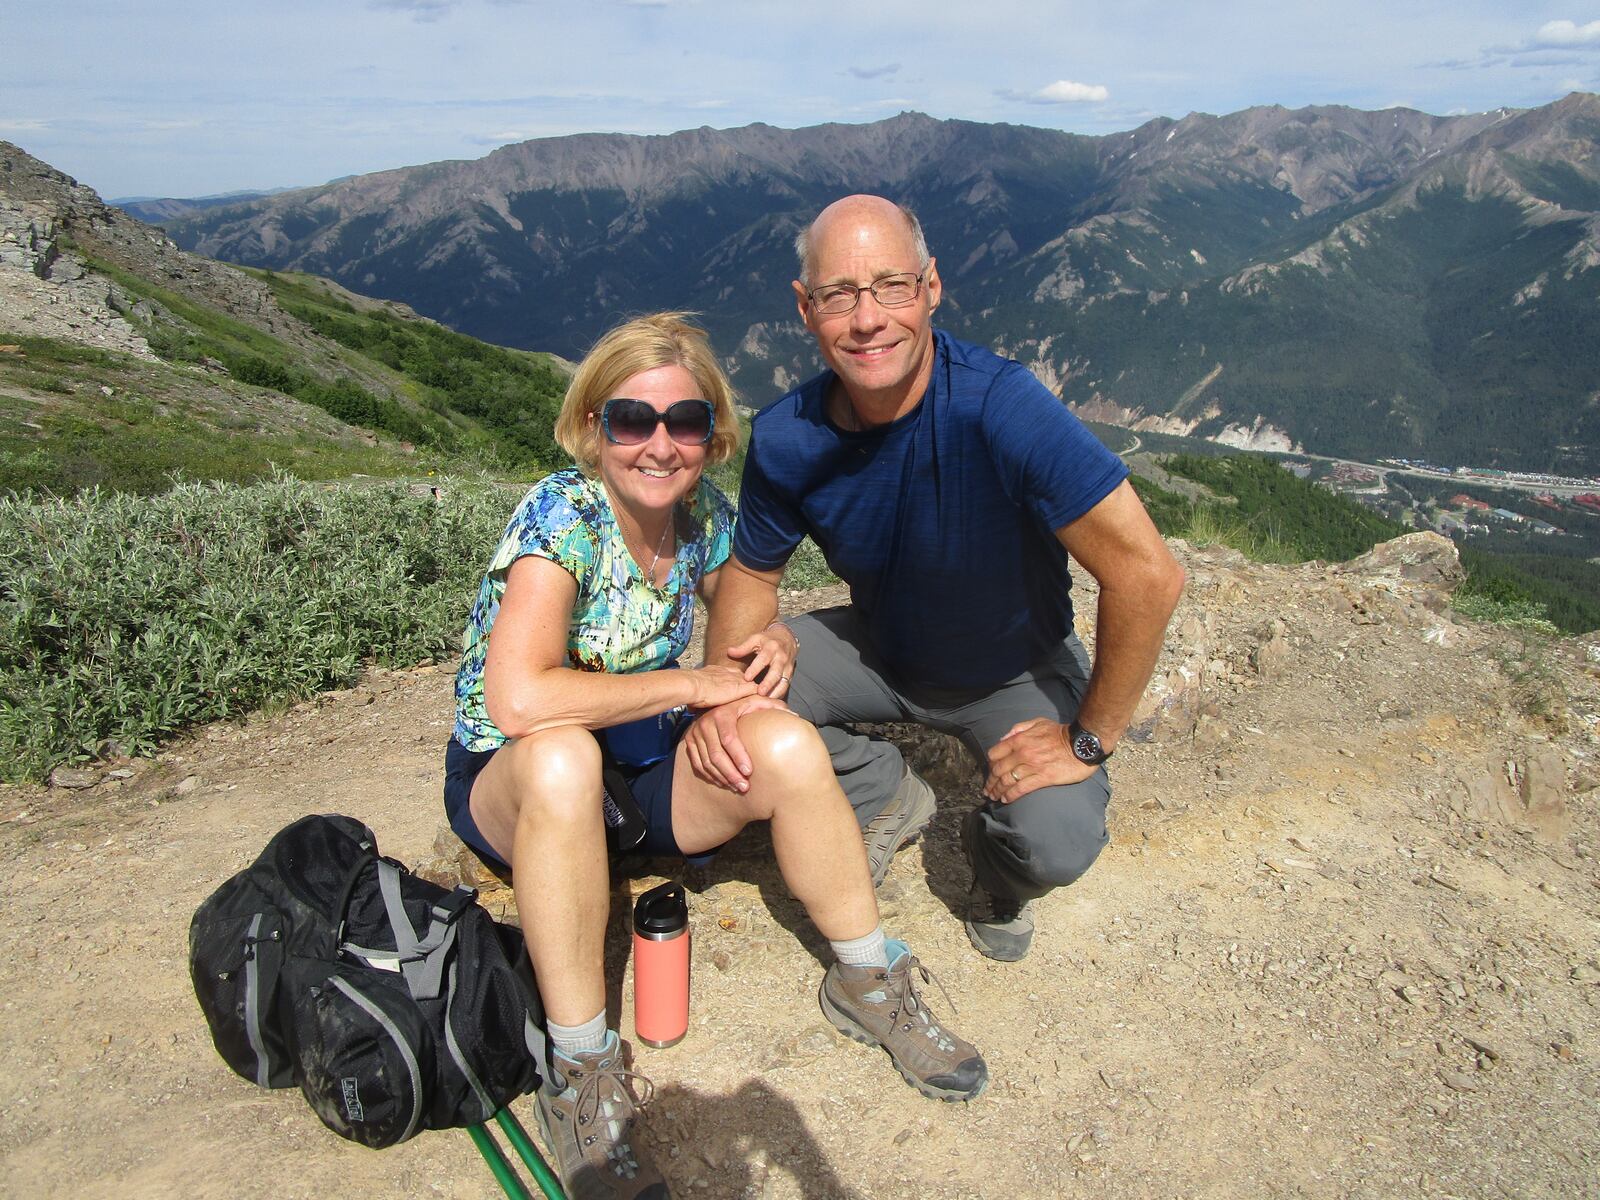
[(769, 658), (715, 686)]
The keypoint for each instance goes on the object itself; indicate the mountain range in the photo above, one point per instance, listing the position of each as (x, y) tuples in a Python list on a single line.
[(1347, 282)]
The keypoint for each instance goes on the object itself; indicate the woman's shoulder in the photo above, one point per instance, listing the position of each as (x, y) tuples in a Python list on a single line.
[(561, 505), (710, 507), (567, 489)]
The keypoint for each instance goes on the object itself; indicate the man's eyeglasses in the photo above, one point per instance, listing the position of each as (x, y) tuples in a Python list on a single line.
[(633, 422), (892, 291)]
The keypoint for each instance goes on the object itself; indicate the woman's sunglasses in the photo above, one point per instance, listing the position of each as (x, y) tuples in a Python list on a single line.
[(633, 422)]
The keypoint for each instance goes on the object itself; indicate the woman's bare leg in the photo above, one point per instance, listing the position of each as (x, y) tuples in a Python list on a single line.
[(537, 803), (814, 834)]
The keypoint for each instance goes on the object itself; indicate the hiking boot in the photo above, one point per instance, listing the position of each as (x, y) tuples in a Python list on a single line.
[(999, 927), (899, 824), (591, 1129), (882, 1006)]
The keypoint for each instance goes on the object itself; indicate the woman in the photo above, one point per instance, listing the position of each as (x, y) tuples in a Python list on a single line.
[(571, 647)]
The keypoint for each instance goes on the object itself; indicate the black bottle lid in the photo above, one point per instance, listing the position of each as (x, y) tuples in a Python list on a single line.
[(663, 909)]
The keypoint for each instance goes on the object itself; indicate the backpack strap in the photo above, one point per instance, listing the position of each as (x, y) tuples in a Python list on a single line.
[(422, 959)]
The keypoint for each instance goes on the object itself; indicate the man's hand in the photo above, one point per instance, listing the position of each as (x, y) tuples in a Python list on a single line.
[(715, 752), (768, 658), (1032, 755)]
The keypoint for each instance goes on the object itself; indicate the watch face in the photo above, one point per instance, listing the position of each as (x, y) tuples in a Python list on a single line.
[(1087, 747)]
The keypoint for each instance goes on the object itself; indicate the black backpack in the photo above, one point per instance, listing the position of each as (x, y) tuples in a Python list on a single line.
[(393, 1003)]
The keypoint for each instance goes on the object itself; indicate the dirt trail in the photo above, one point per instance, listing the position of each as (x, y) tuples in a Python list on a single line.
[(1312, 963)]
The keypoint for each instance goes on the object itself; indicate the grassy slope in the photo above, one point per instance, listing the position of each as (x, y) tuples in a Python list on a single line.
[(378, 394)]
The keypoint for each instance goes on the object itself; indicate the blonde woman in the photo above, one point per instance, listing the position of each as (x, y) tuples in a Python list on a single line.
[(570, 670)]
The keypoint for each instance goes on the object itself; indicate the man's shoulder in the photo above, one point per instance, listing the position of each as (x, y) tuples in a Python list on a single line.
[(975, 370), (791, 404), (971, 356), (791, 427)]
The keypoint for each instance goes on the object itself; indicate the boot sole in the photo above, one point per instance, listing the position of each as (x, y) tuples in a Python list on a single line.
[(845, 1024)]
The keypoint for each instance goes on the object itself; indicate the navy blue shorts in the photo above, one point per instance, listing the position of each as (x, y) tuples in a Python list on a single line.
[(651, 787)]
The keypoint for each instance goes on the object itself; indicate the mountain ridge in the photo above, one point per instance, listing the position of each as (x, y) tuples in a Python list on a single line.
[(1346, 269)]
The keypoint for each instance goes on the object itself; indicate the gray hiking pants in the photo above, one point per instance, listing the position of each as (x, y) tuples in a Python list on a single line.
[(1045, 840)]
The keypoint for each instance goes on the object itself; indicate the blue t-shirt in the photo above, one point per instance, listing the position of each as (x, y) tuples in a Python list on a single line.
[(942, 522)]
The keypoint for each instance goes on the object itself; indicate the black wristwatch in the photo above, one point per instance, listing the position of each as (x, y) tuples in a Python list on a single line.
[(1086, 746)]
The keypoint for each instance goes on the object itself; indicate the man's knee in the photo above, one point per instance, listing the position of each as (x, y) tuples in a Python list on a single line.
[(1054, 840)]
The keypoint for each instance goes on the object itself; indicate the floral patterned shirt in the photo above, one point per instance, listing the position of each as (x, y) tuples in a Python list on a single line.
[(620, 621)]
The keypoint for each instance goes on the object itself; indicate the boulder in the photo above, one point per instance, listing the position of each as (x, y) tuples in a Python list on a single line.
[(1544, 794)]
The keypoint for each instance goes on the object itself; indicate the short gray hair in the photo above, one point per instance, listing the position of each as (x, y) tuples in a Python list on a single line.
[(802, 243)]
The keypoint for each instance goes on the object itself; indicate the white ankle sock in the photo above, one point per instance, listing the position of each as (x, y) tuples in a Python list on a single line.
[(866, 951), (580, 1039)]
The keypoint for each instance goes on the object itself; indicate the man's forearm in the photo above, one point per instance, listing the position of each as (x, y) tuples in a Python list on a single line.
[(1130, 628), (745, 603)]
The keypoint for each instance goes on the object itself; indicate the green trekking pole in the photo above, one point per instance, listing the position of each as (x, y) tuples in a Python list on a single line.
[(503, 1174), (518, 1136)]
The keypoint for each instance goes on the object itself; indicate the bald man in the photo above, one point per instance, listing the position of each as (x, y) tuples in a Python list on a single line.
[(947, 487)]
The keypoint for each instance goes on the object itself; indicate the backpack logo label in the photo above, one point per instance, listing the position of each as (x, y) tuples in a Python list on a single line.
[(352, 1100)]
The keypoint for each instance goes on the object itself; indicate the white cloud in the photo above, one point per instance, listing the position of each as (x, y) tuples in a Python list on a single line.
[(1567, 33), (1066, 91), (420, 10), (22, 124)]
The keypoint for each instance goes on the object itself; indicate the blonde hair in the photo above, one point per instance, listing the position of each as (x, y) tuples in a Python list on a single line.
[(664, 339)]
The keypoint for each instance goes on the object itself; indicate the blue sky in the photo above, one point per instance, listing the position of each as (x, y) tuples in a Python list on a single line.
[(186, 98)]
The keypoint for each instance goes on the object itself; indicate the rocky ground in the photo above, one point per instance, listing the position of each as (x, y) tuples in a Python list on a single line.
[(1346, 942)]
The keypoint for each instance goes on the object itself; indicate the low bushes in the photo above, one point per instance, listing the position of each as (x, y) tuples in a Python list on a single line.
[(125, 618)]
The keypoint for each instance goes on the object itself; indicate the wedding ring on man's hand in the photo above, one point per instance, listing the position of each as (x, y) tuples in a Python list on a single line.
[(1015, 778), (783, 679)]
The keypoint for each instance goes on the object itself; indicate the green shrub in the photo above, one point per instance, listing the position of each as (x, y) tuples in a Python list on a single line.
[(1517, 611), (126, 618)]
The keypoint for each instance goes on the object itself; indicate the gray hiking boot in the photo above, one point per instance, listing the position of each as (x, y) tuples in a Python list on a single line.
[(899, 824), (883, 1007), (591, 1129), (999, 927)]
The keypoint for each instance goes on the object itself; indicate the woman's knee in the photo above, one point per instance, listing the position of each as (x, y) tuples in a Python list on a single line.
[(557, 773), (782, 741)]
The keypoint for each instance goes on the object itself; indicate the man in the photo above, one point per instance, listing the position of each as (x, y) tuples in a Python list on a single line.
[(947, 487)]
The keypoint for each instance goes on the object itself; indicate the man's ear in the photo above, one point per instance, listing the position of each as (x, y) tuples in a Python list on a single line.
[(931, 281), (800, 302)]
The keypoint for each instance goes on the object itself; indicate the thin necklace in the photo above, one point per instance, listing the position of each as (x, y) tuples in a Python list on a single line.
[(660, 546)]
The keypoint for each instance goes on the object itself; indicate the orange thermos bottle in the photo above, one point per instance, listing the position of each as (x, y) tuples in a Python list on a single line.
[(661, 966)]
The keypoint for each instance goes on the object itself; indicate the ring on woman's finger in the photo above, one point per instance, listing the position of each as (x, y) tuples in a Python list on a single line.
[(783, 678), (1015, 778)]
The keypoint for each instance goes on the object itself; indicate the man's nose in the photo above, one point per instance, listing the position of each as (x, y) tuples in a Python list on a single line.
[(868, 313)]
